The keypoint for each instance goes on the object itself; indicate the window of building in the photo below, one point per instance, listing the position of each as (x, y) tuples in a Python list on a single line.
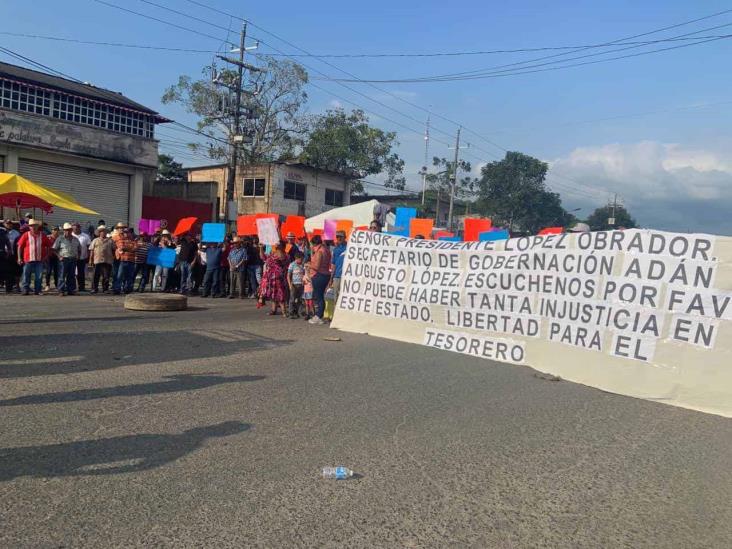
[(295, 191), (253, 187), (333, 197), (27, 98)]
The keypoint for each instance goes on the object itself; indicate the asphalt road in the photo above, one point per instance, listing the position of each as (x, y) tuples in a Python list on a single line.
[(208, 428)]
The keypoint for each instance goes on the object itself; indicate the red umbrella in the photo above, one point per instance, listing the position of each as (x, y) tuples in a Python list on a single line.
[(24, 201)]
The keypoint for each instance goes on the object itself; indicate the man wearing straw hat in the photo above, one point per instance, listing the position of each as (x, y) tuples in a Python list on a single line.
[(101, 256), (33, 247), (68, 249)]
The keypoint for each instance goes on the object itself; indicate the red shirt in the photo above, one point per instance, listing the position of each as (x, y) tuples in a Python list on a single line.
[(33, 247)]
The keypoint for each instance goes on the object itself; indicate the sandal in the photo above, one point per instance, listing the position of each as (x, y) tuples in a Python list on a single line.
[(272, 313)]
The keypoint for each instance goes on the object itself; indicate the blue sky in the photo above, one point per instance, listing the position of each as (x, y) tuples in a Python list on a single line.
[(673, 169)]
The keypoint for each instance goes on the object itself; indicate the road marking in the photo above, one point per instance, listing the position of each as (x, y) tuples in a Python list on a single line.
[(218, 336), (52, 360)]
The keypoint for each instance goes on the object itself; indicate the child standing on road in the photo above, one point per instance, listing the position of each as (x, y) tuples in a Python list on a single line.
[(295, 274), (307, 292)]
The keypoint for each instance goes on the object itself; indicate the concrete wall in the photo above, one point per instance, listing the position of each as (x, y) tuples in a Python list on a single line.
[(216, 174), (197, 192), (42, 132)]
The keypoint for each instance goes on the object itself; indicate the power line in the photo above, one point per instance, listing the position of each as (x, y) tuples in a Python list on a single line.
[(331, 56), (521, 67), (353, 90), (477, 52), (164, 22), (315, 70), (112, 44), (610, 43), (36, 64)]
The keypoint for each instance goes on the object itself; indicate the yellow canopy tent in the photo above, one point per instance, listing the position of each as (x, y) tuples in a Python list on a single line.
[(16, 190)]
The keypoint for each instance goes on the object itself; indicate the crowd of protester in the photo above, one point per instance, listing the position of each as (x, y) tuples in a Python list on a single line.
[(298, 277)]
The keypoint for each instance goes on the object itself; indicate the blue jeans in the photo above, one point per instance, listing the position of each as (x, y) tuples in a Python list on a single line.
[(35, 267), (160, 279), (144, 271), (68, 275), (255, 275), (124, 277), (211, 278), (185, 277), (320, 283)]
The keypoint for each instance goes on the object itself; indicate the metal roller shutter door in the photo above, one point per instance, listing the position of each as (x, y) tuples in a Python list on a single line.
[(105, 192)]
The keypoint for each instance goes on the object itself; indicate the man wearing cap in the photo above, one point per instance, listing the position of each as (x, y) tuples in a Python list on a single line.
[(84, 242), (339, 254), (33, 247), (101, 257), (125, 255), (68, 249), (237, 268)]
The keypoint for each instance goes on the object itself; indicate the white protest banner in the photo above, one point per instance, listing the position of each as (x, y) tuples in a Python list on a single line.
[(641, 313), (267, 231)]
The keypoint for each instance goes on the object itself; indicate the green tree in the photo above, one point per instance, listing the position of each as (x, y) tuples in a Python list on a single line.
[(513, 192), (598, 220), (169, 169), (440, 180), (273, 123), (346, 143)]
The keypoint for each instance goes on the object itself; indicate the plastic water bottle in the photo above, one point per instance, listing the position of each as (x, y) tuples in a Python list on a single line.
[(338, 473)]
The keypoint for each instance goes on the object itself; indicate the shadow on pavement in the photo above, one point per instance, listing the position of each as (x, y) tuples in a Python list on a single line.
[(108, 456), (51, 354), (176, 384), (100, 319)]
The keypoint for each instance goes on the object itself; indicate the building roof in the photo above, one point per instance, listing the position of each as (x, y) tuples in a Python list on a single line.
[(86, 90)]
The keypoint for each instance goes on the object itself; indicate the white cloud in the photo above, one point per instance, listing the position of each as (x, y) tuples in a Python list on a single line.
[(335, 104), (666, 186)]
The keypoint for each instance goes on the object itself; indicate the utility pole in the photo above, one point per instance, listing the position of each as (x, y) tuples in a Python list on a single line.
[(426, 154), (611, 221), (454, 178), (236, 137)]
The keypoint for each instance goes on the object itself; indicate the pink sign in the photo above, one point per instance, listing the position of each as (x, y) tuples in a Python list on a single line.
[(148, 226), (329, 229)]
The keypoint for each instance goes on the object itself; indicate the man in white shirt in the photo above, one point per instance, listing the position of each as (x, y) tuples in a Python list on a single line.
[(81, 262)]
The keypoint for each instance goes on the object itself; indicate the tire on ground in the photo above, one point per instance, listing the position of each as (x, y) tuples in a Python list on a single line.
[(156, 302)]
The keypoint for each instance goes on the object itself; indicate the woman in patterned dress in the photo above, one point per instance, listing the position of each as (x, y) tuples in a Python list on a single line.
[(274, 280)]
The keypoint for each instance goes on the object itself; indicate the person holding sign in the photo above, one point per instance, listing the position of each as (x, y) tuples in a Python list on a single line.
[(320, 275), (339, 255)]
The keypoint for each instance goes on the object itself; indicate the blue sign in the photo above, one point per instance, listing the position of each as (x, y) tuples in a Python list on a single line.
[(213, 232), (403, 217), (165, 257), (490, 236)]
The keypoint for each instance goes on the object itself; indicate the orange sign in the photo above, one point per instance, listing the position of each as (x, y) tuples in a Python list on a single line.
[(423, 227)]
